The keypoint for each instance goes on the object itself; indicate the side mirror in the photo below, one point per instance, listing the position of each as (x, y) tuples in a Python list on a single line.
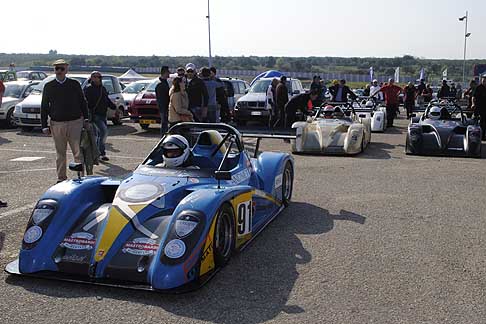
[(414, 115), (246, 91), (296, 92), (76, 167), (309, 119), (222, 175)]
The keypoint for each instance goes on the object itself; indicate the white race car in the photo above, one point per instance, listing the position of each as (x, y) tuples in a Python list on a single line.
[(369, 108), (335, 128)]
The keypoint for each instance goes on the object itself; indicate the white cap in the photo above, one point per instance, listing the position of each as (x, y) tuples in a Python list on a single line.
[(191, 66)]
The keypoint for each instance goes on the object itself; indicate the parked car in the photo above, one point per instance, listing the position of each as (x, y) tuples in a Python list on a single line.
[(253, 106), (131, 91), (235, 89), (7, 75), (27, 113), (144, 110), (15, 92), (31, 75)]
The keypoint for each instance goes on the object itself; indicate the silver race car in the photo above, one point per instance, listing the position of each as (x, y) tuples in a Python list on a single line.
[(335, 128), (369, 108)]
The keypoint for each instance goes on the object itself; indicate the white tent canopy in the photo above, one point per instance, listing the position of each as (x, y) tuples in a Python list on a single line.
[(131, 76)]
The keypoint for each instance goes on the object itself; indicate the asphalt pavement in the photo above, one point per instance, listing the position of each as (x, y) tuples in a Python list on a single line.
[(378, 238)]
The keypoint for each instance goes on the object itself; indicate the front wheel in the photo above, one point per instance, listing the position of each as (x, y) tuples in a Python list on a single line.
[(224, 235), (287, 183), (10, 120)]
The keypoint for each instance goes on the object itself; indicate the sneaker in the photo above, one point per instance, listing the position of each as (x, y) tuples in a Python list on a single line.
[(104, 158)]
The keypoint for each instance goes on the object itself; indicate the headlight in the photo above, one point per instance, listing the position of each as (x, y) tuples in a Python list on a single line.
[(18, 108), (32, 234), (185, 224), (43, 209), (175, 249)]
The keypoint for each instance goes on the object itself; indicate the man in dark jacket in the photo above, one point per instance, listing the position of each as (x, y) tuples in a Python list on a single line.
[(63, 101), (98, 104), (444, 91), (300, 102), (197, 93), (340, 92), (479, 103), (162, 95), (410, 94), (281, 98)]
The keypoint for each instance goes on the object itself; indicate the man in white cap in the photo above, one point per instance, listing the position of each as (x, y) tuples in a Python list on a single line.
[(375, 90), (63, 101), (198, 94)]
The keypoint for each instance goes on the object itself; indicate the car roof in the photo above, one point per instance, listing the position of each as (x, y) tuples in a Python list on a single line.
[(24, 82), (30, 71), (278, 78)]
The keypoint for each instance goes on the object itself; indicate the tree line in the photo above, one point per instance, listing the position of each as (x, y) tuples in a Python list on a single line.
[(409, 65)]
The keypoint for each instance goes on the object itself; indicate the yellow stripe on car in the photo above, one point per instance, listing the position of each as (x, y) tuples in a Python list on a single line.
[(115, 224)]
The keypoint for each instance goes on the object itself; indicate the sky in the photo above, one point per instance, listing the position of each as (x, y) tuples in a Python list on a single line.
[(349, 28)]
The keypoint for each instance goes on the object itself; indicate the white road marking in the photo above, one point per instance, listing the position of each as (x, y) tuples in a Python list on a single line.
[(27, 159), (16, 211), (26, 170), (69, 153)]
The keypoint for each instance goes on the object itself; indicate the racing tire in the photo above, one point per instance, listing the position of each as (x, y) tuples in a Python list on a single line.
[(287, 183), (10, 120), (224, 235), (144, 126)]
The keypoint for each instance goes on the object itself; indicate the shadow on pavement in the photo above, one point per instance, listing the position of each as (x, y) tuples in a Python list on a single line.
[(377, 151), (112, 170), (120, 130), (4, 140), (253, 288)]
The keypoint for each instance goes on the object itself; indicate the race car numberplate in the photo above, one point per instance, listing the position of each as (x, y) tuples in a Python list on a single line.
[(256, 113), (147, 121)]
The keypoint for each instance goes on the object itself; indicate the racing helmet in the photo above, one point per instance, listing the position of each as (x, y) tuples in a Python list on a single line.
[(435, 113), (176, 150), (328, 111), (369, 104)]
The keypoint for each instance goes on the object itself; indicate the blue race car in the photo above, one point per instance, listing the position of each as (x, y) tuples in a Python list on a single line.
[(161, 227)]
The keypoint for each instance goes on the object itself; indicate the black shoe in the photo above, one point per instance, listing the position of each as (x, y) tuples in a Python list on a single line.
[(104, 158), (3, 204)]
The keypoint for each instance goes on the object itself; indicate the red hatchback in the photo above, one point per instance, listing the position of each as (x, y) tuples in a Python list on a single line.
[(144, 109)]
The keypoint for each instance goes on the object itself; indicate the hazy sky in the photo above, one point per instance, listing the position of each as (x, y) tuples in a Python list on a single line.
[(379, 28)]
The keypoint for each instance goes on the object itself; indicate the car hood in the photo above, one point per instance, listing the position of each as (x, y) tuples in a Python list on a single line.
[(129, 96), (33, 100), (9, 100), (253, 97)]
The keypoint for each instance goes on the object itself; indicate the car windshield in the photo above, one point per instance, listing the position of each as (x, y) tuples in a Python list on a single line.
[(13, 90), (261, 86), (153, 85), (135, 87), (38, 88)]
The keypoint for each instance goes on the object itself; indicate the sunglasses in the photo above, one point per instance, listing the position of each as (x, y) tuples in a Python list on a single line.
[(60, 68), (190, 71)]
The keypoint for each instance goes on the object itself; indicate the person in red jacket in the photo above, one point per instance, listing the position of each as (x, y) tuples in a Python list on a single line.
[(391, 92)]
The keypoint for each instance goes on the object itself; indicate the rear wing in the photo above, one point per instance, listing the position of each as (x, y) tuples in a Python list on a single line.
[(259, 137)]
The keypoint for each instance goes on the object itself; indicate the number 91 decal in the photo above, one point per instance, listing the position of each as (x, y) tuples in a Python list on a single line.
[(244, 217)]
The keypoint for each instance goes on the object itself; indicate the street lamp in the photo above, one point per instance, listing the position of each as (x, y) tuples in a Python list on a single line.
[(209, 36), (466, 35)]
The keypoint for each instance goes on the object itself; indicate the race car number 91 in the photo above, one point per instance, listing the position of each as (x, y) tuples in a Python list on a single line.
[(245, 212)]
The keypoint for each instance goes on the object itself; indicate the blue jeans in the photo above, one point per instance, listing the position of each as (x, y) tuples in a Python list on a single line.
[(101, 132), (164, 122)]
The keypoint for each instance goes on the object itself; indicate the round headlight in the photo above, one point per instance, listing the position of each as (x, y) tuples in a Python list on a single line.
[(33, 234), (175, 249), (43, 209), (185, 224)]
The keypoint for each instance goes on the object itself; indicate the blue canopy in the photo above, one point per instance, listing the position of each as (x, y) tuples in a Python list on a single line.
[(267, 74)]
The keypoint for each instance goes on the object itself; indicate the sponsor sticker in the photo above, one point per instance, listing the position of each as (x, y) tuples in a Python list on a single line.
[(141, 246), (74, 258), (33, 234), (79, 241), (241, 176), (278, 181), (175, 249)]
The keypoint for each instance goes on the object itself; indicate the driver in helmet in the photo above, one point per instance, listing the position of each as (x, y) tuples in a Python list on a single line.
[(338, 113), (176, 152), (435, 112), (328, 112)]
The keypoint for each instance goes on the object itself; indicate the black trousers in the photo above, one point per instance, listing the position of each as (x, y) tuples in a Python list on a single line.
[(391, 113), (482, 123), (409, 106)]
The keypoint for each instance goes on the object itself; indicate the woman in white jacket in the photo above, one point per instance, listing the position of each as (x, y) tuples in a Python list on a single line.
[(179, 103)]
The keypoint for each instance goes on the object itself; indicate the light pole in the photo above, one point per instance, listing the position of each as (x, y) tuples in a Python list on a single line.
[(466, 35), (209, 36)]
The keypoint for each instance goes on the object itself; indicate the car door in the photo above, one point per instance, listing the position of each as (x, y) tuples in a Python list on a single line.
[(109, 85)]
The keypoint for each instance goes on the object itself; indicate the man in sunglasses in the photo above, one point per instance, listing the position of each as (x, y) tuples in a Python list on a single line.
[(63, 101)]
